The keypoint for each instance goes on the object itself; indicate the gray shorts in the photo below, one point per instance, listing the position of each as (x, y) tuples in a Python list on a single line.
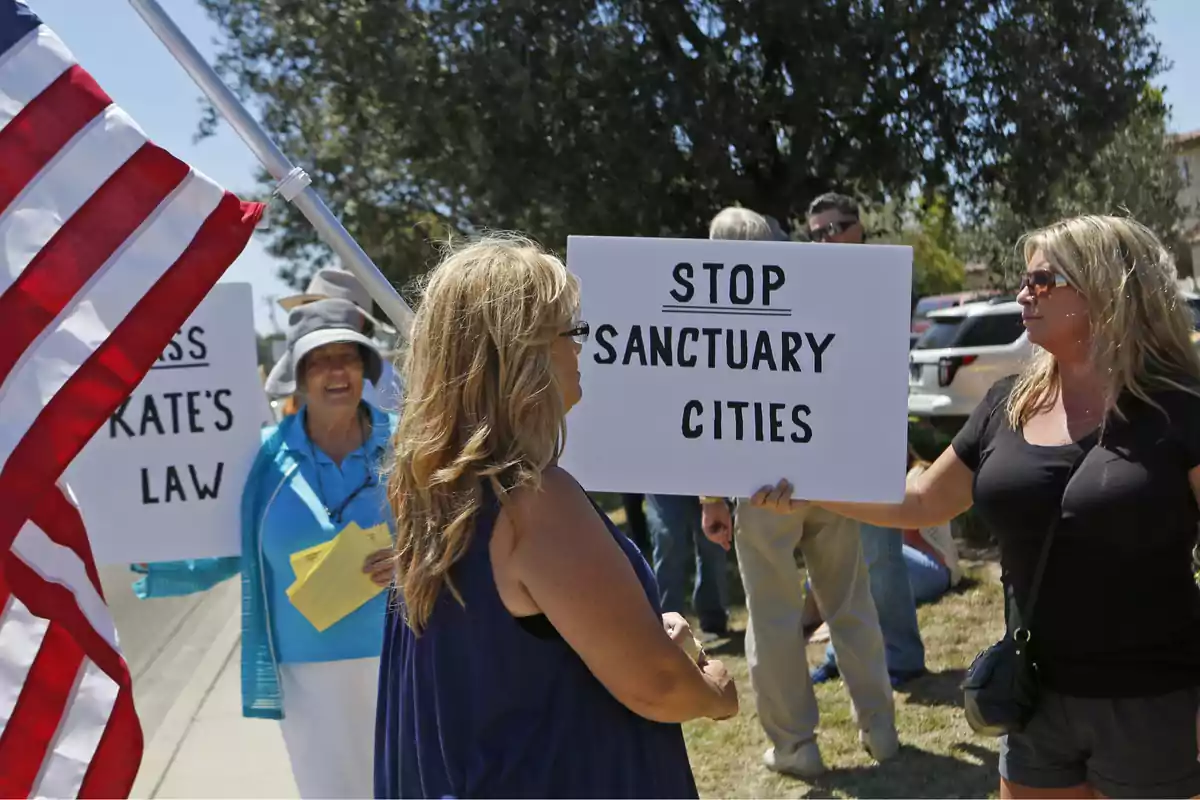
[(1123, 747)]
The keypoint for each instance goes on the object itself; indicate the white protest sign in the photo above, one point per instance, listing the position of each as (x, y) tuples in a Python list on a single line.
[(716, 367), (163, 479)]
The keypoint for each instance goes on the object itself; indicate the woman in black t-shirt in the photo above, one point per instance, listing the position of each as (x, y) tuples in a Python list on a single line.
[(1101, 434)]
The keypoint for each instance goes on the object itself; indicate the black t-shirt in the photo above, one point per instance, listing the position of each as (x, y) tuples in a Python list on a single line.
[(1118, 613)]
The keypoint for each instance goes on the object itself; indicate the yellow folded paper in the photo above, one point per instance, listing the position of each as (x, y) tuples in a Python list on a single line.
[(303, 561), (379, 535), (330, 582)]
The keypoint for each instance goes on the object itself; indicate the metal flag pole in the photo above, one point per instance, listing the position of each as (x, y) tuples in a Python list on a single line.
[(293, 182)]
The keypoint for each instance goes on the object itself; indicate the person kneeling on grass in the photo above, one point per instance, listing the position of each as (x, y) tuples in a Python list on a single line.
[(929, 552)]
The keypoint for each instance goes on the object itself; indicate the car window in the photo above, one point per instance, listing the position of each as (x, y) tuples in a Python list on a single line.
[(927, 304), (985, 330), (1194, 305), (990, 330), (941, 333)]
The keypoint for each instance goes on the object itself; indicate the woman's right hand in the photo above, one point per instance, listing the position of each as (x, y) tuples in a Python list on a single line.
[(678, 628), (778, 498), (680, 631), (380, 566), (727, 697)]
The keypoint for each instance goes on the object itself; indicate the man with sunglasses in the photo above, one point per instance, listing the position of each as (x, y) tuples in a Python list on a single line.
[(834, 218)]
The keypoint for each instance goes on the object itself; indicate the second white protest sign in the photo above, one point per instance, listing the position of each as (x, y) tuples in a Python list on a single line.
[(715, 367), (163, 479)]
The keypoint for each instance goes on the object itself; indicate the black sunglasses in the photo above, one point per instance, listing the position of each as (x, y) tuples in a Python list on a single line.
[(1041, 282), (579, 332), (831, 229)]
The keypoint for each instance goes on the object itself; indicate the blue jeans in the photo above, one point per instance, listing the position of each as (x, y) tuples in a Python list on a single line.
[(675, 534), (883, 552), (930, 579)]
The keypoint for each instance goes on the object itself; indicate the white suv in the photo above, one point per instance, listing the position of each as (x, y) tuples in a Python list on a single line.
[(963, 352), (968, 348)]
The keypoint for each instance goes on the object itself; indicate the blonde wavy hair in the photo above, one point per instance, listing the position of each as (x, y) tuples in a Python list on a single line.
[(1140, 327), (481, 402)]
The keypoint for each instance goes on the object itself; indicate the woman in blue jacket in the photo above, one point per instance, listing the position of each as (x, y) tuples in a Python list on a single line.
[(316, 473)]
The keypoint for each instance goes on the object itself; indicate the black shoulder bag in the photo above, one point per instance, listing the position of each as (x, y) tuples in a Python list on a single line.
[(1000, 691)]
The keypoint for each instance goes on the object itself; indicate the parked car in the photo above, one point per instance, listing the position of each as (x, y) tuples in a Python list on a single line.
[(960, 355), (965, 349), (936, 302)]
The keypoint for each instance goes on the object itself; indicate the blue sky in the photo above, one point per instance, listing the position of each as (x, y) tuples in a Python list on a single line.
[(110, 40)]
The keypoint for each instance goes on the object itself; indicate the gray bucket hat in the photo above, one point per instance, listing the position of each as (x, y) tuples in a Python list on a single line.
[(317, 324), (331, 282)]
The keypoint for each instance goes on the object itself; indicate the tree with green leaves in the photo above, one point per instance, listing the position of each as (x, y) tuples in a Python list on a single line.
[(929, 227), (418, 118), (1135, 175)]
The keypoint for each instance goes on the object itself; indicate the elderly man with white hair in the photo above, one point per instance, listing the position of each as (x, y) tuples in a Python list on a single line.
[(775, 647)]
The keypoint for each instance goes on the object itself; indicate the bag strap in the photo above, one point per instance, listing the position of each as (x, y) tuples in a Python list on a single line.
[(1026, 617)]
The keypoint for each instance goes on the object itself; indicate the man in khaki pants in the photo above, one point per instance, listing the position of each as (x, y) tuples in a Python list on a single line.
[(775, 647)]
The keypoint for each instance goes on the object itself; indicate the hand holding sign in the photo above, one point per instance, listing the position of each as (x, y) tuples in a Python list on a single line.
[(778, 498)]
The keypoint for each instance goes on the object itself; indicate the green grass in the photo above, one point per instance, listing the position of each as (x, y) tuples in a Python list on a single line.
[(940, 755)]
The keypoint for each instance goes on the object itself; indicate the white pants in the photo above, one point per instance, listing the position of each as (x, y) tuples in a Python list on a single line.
[(329, 726)]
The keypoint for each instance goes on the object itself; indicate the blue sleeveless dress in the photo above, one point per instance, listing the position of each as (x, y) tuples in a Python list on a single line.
[(485, 705)]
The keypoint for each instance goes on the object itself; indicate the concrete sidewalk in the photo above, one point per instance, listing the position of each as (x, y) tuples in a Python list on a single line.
[(205, 747)]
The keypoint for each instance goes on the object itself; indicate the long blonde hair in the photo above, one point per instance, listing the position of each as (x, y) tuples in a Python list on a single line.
[(481, 402), (1140, 327)]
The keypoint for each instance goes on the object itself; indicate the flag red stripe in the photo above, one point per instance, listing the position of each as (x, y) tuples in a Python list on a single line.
[(122, 738), (62, 270), (115, 763), (44, 700), (117, 758), (54, 601), (81, 247), (4, 591), (40, 130), (62, 523), (118, 364)]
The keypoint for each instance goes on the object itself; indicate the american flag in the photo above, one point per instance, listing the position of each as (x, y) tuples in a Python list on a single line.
[(107, 244)]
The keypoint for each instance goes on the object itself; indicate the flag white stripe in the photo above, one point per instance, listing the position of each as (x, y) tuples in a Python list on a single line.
[(59, 190), (21, 635), (28, 67), (130, 273), (57, 564), (51, 199), (79, 734)]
